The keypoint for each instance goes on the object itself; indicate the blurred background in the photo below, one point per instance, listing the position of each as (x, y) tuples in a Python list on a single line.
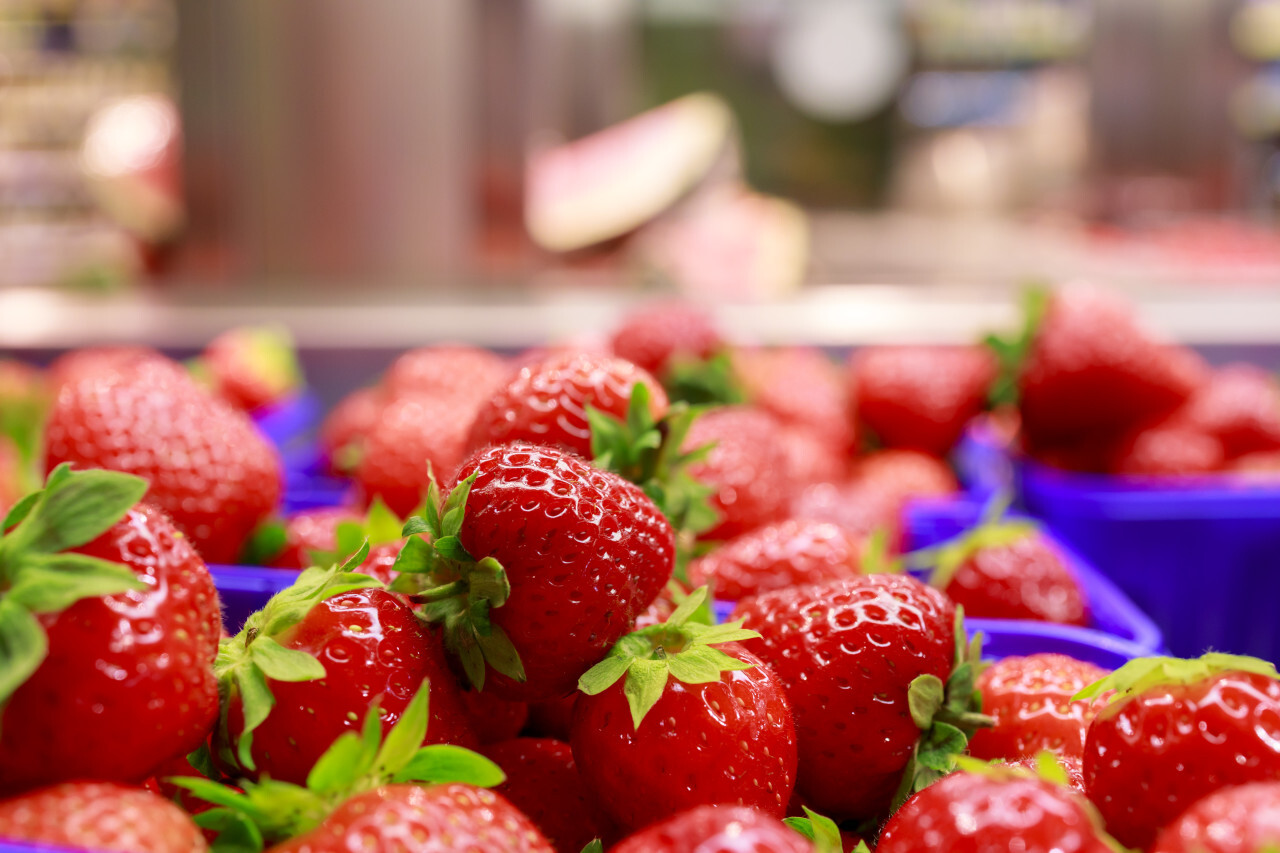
[(834, 172)]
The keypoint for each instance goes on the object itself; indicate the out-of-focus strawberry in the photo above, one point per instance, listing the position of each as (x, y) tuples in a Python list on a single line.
[(76, 363), (788, 553), (906, 474), (491, 718), (543, 782), (1238, 819), (719, 828), (413, 435), (812, 458), (801, 387), (100, 816), (344, 428), (654, 337), (466, 374), (1167, 449), (746, 467), (251, 366), (1240, 406)]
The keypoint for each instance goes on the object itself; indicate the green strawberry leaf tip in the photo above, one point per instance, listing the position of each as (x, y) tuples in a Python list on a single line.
[(39, 574), (595, 845), (248, 659), (820, 830), (465, 590), (710, 381), (679, 648), (1012, 351), (380, 526), (268, 812), (993, 531), (946, 714), (1143, 674)]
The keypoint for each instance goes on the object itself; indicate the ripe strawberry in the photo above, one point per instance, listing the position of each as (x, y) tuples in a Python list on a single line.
[(656, 336), (412, 436), (994, 810), (1240, 406), (130, 618), (717, 828), (543, 783), (208, 467), (100, 816), (1093, 370), (918, 397), (746, 467), (854, 650), (811, 458), (492, 719), (1030, 700), (553, 718), (310, 532), (306, 668), (696, 720), (541, 563), (1176, 732), (800, 387), (790, 553), (92, 361), (1165, 449), (251, 366), (905, 474), (546, 403), (1069, 765), (11, 474), (851, 506), (467, 375), (1238, 819), (343, 431)]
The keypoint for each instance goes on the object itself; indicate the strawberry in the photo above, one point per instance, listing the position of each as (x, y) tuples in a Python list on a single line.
[(878, 650), (92, 361), (310, 532), (251, 367), (493, 719), (657, 336), (800, 387), (994, 809), (1030, 700), (789, 553), (100, 816), (541, 562), (1093, 370), (467, 375), (1069, 765), (12, 474), (343, 430), (811, 458), (208, 467), (918, 397), (717, 828), (110, 623), (1240, 406), (851, 506), (746, 467), (413, 436), (1237, 819), (1165, 449), (305, 669), (543, 783), (696, 720), (905, 474), (1177, 731), (553, 718)]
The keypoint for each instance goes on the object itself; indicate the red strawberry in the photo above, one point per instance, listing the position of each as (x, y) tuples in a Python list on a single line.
[(800, 387), (413, 436), (1165, 449), (852, 650), (11, 474), (789, 553), (436, 819), (1030, 700), (1094, 370), (811, 458), (905, 474), (343, 431), (91, 361), (994, 810), (717, 828), (546, 403), (208, 467), (746, 467), (1239, 819), (672, 735), (493, 719), (856, 509), (552, 719), (1240, 406), (921, 398), (1258, 467), (252, 366), (654, 337), (1070, 765), (312, 531), (324, 650), (1179, 731), (543, 783), (131, 619), (467, 375), (100, 816), (566, 555)]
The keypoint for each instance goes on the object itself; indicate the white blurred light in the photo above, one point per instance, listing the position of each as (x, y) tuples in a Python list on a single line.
[(128, 136)]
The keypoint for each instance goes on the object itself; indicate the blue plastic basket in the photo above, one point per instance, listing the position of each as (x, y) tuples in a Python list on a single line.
[(245, 589), (1202, 559), (291, 423), (291, 426)]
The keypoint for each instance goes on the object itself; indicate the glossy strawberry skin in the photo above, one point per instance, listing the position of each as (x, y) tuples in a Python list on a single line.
[(747, 468), (100, 816), (137, 664), (584, 550), (413, 436), (372, 646), (654, 337), (1238, 819), (492, 719), (1025, 579), (717, 828), (970, 813), (847, 652), (468, 375), (790, 553), (731, 741), (920, 397), (543, 782), (1071, 765), (349, 422), (311, 531), (435, 819), (1240, 406), (1030, 700), (546, 403), (209, 468), (1149, 757)]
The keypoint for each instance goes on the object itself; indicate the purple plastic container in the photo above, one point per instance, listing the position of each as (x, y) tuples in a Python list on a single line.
[(1202, 559), (245, 589), (291, 425)]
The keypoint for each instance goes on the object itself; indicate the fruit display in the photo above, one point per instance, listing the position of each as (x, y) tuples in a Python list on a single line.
[(668, 593)]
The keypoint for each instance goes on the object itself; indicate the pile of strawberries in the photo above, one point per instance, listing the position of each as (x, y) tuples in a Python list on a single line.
[(507, 644)]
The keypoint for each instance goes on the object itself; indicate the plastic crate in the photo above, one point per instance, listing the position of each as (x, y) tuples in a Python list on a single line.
[(291, 425), (1202, 559)]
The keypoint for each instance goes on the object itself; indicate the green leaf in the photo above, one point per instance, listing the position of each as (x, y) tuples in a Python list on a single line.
[(822, 831), (265, 544), (405, 737), (944, 743), (443, 763), (23, 646), (688, 606), (78, 507), (646, 680), (348, 536), (604, 674), (704, 381), (802, 825), (283, 664), (210, 791), (341, 765), (696, 665), (382, 525), (455, 505), (727, 632), (236, 833), (488, 582), (258, 700), (50, 583), (354, 561), (924, 698), (1142, 674), (20, 510), (472, 660), (594, 846), (416, 557), (416, 525), (450, 547), (501, 653)]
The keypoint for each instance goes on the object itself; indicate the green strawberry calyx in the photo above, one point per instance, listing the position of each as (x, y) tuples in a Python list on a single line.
[(680, 648), (246, 661), (379, 526), (269, 811), (265, 352), (947, 715), (38, 571), (1011, 351), (704, 381), (994, 530), (818, 829), (463, 590), (1150, 673)]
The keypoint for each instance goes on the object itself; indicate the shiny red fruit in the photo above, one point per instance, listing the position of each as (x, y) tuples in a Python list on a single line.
[(800, 387), (412, 436), (747, 468), (100, 816), (311, 531), (467, 375), (344, 429), (1240, 406), (128, 682), (1239, 819), (1168, 449), (492, 719), (1069, 764), (654, 337), (543, 782), (1024, 579), (790, 553), (717, 828)]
